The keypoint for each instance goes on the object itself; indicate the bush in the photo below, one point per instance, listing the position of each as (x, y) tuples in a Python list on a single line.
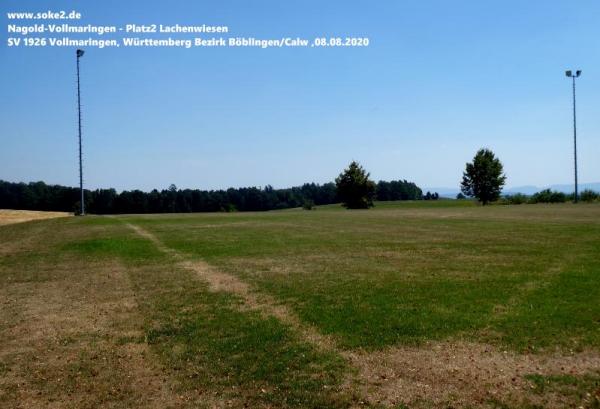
[(588, 196), (548, 196), (516, 199), (308, 205)]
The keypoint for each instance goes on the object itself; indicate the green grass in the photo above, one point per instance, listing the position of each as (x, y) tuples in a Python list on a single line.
[(220, 347), (411, 204), (210, 343), (133, 249), (525, 278), (575, 387)]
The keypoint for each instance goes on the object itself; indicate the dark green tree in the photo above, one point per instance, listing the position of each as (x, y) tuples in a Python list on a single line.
[(354, 188), (483, 178)]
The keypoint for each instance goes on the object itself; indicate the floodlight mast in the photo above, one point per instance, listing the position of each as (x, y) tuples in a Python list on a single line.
[(82, 210), (570, 74)]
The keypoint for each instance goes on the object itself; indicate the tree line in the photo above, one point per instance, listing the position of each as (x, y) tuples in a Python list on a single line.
[(41, 196)]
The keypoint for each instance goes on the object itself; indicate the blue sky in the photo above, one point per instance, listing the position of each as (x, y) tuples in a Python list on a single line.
[(439, 80)]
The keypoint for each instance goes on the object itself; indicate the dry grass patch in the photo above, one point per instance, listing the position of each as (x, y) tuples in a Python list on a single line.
[(463, 374), (71, 342), (8, 216)]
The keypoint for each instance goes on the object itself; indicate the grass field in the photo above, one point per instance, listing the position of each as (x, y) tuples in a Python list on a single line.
[(415, 304)]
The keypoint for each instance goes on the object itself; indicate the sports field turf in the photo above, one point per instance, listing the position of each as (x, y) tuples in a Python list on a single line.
[(413, 304)]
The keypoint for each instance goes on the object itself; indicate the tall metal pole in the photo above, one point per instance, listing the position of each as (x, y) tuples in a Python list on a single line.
[(79, 54), (574, 75), (575, 136)]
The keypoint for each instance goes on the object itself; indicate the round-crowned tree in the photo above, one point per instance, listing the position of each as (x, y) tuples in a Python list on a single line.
[(354, 188), (483, 178)]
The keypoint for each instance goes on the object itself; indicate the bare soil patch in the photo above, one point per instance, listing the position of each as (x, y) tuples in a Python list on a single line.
[(8, 216)]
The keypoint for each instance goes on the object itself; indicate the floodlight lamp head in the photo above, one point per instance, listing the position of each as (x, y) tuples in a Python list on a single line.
[(80, 53), (569, 73), (578, 73)]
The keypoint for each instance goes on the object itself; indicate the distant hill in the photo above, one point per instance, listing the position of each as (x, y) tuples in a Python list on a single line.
[(527, 189), (565, 188)]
